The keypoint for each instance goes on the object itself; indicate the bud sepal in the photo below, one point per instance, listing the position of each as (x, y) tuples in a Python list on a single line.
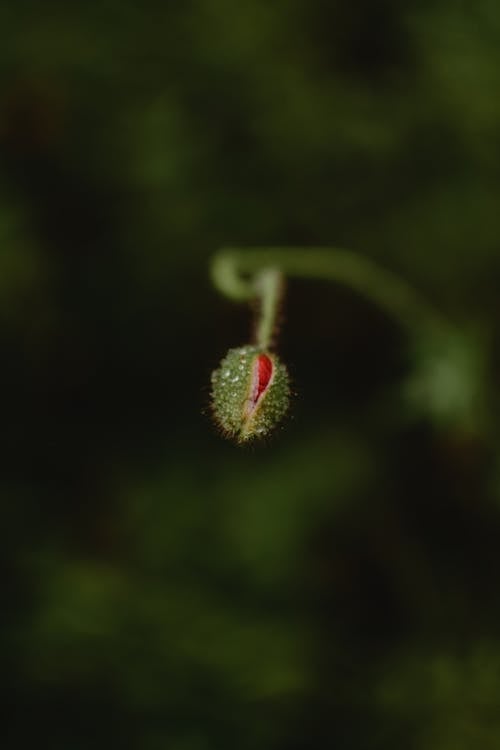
[(250, 393)]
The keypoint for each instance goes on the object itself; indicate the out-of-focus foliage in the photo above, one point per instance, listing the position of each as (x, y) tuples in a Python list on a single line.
[(337, 587)]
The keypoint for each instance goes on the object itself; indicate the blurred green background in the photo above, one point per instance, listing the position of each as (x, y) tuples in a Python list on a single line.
[(161, 588)]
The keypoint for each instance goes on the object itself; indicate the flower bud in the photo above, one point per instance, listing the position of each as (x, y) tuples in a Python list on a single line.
[(250, 393)]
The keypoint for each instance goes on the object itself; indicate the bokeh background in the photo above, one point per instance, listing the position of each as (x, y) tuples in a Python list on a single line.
[(161, 588)]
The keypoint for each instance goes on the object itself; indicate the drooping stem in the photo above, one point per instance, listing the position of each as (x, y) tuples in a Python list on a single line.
[(269, 285), (255, 273), (263, 283)]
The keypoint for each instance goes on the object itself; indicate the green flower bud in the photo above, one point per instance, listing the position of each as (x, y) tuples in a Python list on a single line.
[(250, 393)]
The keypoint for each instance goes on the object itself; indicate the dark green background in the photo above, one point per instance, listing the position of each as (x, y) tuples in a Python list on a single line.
[(161, 588)]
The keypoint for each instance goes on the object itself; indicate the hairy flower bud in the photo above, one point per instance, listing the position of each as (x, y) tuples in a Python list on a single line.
[(250, 393)]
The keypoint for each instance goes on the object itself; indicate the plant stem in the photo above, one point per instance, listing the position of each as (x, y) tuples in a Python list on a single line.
[(269, 285), (255, 273)]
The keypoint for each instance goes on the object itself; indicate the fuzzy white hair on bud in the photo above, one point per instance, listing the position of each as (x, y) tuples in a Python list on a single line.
[(250, 393)]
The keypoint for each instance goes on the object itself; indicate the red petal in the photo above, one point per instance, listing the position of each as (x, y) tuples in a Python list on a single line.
[(265, 365)]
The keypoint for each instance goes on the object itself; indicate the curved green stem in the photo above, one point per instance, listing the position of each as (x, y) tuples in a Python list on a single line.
[(269, 286), (238, 274)]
